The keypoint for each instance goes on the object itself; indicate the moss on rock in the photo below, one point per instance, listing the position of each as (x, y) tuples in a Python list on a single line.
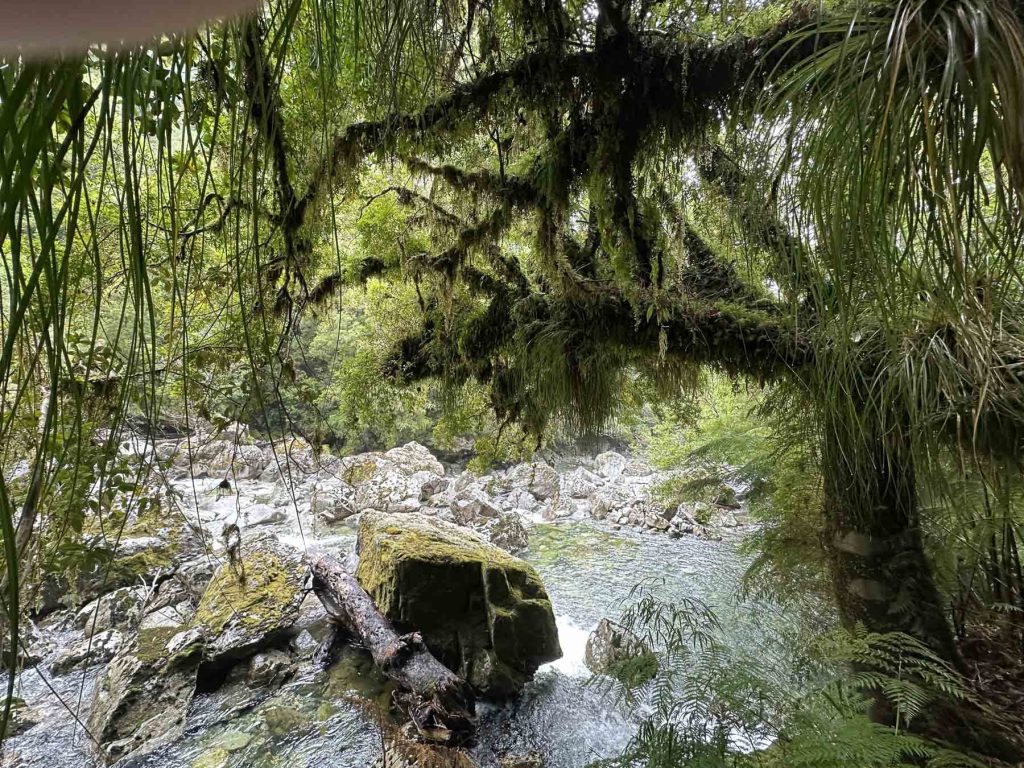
[(252, 601), (481, 611)]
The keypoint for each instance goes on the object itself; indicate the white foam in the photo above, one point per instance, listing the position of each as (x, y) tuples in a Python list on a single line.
[(573, 639)]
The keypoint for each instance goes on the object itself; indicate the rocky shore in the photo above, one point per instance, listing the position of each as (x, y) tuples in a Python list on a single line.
[(205, 583)]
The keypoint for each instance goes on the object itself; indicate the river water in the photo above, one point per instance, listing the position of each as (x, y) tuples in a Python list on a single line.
[(325, 718)]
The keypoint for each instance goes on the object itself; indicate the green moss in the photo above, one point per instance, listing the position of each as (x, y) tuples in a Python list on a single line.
[(267, 589), (281, 721), (422, 548), (215, 758), (359, 472), (151, 648)]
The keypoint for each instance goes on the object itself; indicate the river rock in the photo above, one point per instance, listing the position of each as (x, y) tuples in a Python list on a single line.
[(270, 667), (413, 457), (610, 464), (114, 610), (529, 760), (579, 483), (481, 611), (97, 649), (538, 478), (264, 514), (509, 533), (333, 503), (253, 602), (608, 502), (471, 505), (611, 648), (143, 696), (520, 500), (637, 468), (22, 718)]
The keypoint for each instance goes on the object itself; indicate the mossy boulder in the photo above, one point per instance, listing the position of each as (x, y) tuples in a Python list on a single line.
[(143, 696), (482, 612), (253, 602)]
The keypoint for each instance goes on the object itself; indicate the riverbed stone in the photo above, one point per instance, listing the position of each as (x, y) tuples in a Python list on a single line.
[(413, 457), (253, 602), (610, 464), (143, 696), (264, 514), (99, 648), (114, 610), (509, 533), (529, 760), (579, 483), (538, 478), (270, 667), (614, 650), (481, 611)]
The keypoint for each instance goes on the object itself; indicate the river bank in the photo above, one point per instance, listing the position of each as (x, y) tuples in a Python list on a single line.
[(302, 713)]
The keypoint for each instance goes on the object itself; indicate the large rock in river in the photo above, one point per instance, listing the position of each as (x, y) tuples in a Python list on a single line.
[(143, 696), (481, 611), (252, 602)]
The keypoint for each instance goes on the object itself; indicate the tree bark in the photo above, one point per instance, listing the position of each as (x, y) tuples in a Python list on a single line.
[(439, 703), (883, 579)]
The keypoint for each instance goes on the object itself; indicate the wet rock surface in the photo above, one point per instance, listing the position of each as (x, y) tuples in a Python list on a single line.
[(614, 650), (239, 616), (144, 693), (252, 601), (481, 612)]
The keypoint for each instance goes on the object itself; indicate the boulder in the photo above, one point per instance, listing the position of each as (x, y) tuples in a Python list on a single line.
[(143, 696), (509, 533), (473, 504), (253, 602), (413, 457), (33, 645), (520, 500), (332, 505), (562, 506), (610, 464), (608, 501), (614, 650), (270, 667), (579, 483), (538, 478), (114, 610), (637, 468), (264, 514), (21, 719), (97, 649), (481, 611)]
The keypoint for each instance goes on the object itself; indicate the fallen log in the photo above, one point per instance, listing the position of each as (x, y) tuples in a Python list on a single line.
[(439, 703)]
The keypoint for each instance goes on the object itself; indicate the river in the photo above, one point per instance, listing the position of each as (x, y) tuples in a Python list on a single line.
[(325, 718)]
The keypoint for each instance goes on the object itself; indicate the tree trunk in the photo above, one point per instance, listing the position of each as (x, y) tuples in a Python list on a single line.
[(439, 703), (881, 574), (883, 579)]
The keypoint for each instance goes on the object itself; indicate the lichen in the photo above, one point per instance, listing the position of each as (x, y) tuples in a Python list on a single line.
[(251, 595), (359, 472)]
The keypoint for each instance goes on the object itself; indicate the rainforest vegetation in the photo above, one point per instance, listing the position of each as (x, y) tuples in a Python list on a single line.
[(786, 234)]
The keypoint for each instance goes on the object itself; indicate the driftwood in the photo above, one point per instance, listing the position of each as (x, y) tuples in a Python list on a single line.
[(439, 702)]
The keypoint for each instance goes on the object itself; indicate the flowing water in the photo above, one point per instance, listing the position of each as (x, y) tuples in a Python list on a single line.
[(325, 718)]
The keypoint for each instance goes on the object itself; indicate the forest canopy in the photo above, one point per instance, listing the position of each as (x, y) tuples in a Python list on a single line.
[(526, 219)]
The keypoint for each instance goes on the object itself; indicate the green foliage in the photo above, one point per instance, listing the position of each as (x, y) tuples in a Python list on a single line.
[(711, 706)]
